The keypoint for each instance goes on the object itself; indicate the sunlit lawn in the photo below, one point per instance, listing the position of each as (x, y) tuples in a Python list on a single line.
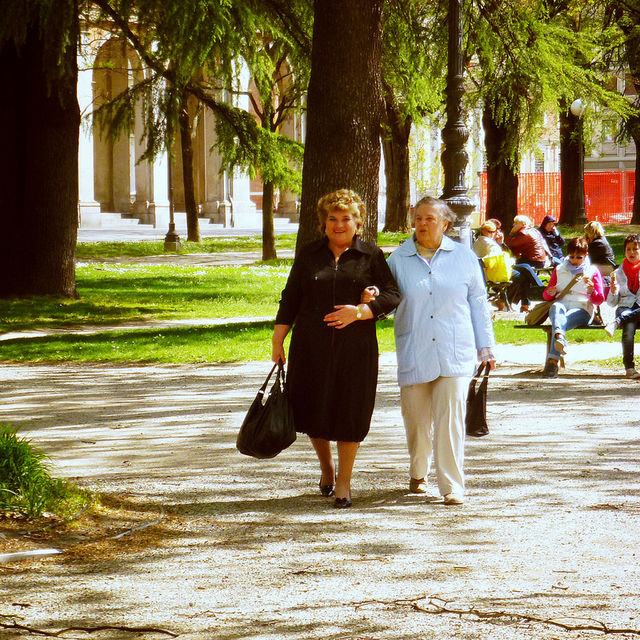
[(287, 241), (114, 294), (225, 343)]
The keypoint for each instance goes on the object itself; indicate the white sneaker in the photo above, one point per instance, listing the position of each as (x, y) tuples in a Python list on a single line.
[(453, 498), (632, 373), (610, 327)]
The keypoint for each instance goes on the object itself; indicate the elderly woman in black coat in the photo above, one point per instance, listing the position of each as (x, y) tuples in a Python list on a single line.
[(333, 356)]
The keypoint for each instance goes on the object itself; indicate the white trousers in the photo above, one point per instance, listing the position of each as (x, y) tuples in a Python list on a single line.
[(434, 414)]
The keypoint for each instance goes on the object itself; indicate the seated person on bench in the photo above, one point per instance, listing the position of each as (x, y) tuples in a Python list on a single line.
[(528, 245), (523, 276), (577, 306)]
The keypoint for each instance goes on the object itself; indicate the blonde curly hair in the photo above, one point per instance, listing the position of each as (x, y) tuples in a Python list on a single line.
[(341, 200), (593, 231)]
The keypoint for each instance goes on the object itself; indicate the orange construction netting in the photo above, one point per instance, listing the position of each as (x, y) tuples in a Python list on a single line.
[(608, 195)]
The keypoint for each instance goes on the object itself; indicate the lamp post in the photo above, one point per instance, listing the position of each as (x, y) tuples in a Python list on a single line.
[(455, 133), (578, 109), (172, 239)]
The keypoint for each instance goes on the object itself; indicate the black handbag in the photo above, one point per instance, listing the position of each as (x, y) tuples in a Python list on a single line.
[(268, 427), (476, 420)]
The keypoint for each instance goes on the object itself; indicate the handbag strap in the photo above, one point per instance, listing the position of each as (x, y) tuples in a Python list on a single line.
[(483, 365), (266, 382), (568, 287)]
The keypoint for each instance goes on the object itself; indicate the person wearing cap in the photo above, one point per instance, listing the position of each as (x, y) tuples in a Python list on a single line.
[(485, 244), (499, 236), (555, 241)]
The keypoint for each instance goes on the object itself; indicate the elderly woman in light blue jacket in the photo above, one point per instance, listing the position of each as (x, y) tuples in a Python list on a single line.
[(442, 328)]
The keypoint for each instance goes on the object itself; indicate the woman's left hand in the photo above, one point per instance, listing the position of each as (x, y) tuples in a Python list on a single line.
[(492, 364), (345, 315)]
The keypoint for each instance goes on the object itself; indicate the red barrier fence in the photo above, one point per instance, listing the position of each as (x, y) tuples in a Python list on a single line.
[(608, 195)]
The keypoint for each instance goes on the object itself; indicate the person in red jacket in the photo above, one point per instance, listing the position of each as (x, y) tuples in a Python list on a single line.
[(527, 243), (529, 247)]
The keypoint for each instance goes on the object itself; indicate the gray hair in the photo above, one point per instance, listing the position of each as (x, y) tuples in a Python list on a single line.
[(439, 206)]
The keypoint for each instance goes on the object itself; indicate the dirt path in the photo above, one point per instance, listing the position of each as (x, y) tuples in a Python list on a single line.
[(248, 549)]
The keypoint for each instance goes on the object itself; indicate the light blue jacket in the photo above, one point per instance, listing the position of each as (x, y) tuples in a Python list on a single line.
[(444, 315)]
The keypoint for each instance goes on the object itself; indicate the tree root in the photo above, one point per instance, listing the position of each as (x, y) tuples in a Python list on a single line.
[(106, 627), (437, 605)]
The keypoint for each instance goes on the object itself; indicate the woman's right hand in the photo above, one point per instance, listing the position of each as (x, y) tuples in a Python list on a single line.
[(277, 343), (369, 294), (552, 291), (277, 354)]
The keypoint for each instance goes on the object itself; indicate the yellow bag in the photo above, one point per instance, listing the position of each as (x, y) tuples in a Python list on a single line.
[(499, 268)]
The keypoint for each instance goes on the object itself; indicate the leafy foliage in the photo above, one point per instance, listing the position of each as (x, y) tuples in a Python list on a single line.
[(194, 46), (532, 56), (26, 488)]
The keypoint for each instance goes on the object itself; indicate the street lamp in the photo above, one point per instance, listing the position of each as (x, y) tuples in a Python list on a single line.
[(577, 110), (455, 133), (172, 239)]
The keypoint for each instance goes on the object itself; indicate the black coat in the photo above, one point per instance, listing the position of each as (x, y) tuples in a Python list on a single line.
[(554, 240), (332, 373), (601, 253)]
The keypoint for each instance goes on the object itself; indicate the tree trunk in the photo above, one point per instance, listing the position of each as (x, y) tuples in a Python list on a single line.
[(186, 140), (344, 110), (268, 236), (39, 129), (571, 168), (502, 181), (395, 147)]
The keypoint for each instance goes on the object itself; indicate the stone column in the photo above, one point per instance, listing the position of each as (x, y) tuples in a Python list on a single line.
[(243, 208), (88, 208), (160, 205), (217, 203), (141, 207)]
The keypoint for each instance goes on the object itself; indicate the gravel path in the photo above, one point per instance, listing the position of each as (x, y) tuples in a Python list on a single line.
[(248, 549)]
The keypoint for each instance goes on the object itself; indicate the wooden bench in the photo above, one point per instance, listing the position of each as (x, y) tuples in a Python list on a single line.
[(596, 323), (547, 329)]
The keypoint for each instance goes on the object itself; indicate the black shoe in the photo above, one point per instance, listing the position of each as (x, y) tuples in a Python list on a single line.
[(550, 370), (342, 503), (326, 489)]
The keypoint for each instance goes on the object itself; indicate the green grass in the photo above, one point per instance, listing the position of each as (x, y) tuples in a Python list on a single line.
[(26, 486), (506, 333), (113, 294), (208, 344), (98, 250), (287, 241), (222, 343)]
